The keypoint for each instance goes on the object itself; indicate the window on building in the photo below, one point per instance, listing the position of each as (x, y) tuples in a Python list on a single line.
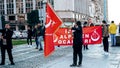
[(51, 2), (2, 8), (9, 1), (10, 6), (11, 17), (19, 7), (29, 6)]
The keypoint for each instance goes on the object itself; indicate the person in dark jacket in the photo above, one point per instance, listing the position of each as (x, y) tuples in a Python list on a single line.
[(105, 36), (85, 46), (77, 44), (35, 36), (6, 44), (29, 37), (40, 34)]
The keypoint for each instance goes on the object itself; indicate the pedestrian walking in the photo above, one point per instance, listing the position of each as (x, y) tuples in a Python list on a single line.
[(77, 44), (29, 37), (112, 31), (35, 36), (40, 34), (85, 46), (105, 36), (6, 44)]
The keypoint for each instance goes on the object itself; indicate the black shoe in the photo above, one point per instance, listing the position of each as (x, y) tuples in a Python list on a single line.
[(12, 63), (36, 48), (40, 49), (87, 48), (2, 63), (73, 65)]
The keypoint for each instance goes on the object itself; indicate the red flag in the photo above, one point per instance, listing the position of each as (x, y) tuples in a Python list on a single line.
[(53, 20), (52, 24)]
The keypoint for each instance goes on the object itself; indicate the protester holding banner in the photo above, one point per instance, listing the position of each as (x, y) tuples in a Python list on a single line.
[(85, 46), (112, 31), (77, 44), (105, 36)]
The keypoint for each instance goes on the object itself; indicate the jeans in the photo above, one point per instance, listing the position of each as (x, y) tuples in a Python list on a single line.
[(36, 41), (113, 39), (40, 38)]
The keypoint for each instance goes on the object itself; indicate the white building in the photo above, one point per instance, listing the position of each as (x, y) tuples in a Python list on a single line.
[(72, 10)]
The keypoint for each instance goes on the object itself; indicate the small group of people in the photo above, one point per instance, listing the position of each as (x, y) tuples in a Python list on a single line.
[(87, 24), (6, 40), (37, 33), (78, 42)]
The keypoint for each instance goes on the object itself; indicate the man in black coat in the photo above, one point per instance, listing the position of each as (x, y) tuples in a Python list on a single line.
[(77, 44), (6, 44)]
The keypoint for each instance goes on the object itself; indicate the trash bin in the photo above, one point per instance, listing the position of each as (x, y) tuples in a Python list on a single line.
[(117, 40)]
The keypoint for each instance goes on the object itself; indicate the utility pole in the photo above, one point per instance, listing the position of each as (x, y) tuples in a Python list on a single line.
[(44, 11), (105, 10)]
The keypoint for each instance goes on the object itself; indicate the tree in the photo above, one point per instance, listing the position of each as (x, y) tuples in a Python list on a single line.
[(3, 21), (33, 17)]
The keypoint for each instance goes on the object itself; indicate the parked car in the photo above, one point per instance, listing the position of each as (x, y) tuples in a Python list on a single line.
[(17, 34), (24, 34)]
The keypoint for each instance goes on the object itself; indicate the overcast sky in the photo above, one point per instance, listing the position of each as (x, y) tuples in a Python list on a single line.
[(114, 10)]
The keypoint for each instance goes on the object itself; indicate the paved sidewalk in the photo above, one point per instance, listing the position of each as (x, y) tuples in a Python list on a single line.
[(92, 58), (29, 57)]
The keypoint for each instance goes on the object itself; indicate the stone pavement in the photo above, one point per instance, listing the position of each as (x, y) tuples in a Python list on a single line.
[(29, 57), (92, 58)]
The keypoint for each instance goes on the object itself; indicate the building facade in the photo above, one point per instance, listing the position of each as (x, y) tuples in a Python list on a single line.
[(101, 10), (15, 11), (82, 10), (72, 10)]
